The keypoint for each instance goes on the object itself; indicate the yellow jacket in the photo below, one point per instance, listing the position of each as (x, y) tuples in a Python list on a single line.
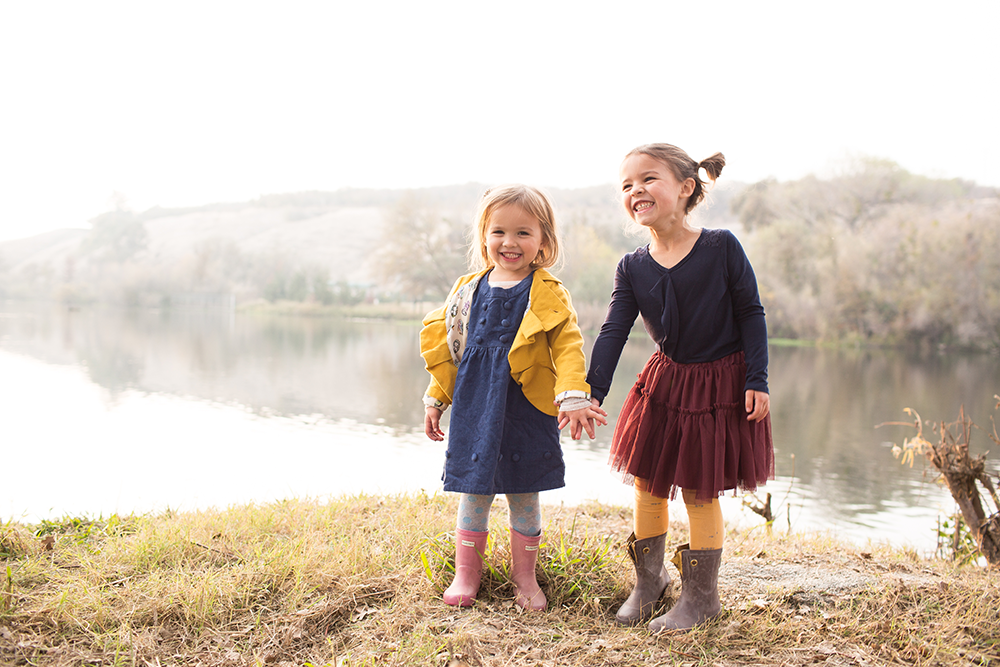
[(546, 356)]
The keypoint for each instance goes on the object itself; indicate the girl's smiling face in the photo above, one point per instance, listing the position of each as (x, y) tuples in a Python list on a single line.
[(650, 192), (513, 240)]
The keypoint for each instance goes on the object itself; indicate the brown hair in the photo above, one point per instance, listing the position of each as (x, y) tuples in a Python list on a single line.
[(535, 203), (684, 167)]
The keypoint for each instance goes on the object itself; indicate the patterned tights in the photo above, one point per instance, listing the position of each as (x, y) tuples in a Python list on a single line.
[(525, 513)]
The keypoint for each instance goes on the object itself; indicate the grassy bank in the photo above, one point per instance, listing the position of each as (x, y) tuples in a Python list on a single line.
[(357, 581)]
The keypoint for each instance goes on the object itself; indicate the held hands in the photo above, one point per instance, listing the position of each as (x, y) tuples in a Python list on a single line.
[(583, 419), (432, 423), (758, 405)]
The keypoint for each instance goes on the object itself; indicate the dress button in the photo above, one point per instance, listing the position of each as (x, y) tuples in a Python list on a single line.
[(475, 457), (482, 321), (505, 338), (486, 306), (547, 455), (447, 455), (507, 305), (515, 458), (479, 339), (505, 323)]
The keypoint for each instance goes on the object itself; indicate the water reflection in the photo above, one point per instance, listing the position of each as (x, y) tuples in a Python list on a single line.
[(280, 383)]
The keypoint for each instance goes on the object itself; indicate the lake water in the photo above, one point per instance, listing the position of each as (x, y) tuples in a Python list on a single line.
[(109, 411)]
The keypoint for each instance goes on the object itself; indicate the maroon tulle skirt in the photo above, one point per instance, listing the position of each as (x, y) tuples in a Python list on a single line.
[(684, 426)]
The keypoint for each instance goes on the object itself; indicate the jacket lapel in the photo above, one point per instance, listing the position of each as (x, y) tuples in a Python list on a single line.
[(547, 308)]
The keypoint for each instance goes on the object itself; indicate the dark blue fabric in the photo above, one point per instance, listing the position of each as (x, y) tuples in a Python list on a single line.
[(498, 442), (704, 308)]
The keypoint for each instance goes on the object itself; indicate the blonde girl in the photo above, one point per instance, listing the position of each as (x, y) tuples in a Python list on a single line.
[(505, 350)]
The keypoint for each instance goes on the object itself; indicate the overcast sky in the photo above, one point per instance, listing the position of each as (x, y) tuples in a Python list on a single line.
[(186, 103)]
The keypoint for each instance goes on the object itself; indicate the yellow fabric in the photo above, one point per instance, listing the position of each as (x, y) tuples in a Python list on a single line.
[(705, 519), (546, 357), (651, 516)]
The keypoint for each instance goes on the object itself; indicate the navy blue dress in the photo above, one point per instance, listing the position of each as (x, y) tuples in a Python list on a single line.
[(498, 442)]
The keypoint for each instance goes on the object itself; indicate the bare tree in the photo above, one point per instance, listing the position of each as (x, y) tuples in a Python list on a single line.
[(423, 250)]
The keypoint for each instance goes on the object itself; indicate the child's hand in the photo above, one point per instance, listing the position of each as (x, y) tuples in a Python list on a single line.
[(583, 419), (758, 405), (432, 424)]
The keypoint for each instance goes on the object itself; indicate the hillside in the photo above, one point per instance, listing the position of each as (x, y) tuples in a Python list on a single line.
[(335, 236), (335, 233)]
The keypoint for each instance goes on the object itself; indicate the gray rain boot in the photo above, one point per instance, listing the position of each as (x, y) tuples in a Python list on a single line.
[(699, 599), (652, 581)]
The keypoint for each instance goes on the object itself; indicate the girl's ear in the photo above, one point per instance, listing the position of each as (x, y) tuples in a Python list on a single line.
[(543, 248), (687, 187)]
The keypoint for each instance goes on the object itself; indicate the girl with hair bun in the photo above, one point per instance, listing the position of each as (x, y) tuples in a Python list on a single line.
[(697, 419)]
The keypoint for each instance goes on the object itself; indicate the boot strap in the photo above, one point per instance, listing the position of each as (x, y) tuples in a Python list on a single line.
[(676, 560)]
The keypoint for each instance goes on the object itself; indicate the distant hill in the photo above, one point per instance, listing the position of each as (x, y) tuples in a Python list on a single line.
[(41, 249), (293, 245), (329, 234), (340, 230)]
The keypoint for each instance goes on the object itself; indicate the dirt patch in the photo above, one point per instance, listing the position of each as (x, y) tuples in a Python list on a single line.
[(747, 582)]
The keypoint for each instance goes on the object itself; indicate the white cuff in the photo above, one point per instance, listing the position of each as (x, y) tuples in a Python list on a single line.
[(431, 402), (572, 393), (572, 403)]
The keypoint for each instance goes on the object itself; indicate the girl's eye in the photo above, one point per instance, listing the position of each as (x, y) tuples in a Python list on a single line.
[(650, 178), (625, 188)]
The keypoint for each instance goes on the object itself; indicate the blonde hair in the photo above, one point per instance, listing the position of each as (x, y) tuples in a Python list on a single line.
[(534, 202), (684, 167)]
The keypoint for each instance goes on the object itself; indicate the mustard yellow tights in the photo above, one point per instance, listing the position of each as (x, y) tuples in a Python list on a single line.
[(652, 518)]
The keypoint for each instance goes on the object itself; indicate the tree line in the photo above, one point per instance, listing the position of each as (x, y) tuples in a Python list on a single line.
[(872, 254), (877, 255)]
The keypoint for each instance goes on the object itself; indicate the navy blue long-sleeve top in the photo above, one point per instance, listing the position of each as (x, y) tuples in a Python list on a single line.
[(704, 308)]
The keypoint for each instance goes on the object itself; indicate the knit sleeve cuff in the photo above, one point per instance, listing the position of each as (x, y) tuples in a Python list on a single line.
[(573, 400), (431, 402)]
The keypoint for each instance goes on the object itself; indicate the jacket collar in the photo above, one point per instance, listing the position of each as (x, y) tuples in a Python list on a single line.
[(549, 307)]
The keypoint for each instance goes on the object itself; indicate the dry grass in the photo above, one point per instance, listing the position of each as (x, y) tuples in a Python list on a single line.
[(357, 581)]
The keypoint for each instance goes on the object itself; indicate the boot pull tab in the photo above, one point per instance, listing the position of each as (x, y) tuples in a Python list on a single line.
[(630, 547), (676, 560)]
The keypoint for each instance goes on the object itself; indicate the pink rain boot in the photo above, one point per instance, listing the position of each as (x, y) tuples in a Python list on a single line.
[(470, 546), (524, 554)]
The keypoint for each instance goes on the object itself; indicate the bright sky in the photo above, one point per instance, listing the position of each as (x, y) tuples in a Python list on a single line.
[(186, 103)]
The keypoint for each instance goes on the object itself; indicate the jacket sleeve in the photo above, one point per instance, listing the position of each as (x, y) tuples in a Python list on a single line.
[(437, 356), (566, 344)]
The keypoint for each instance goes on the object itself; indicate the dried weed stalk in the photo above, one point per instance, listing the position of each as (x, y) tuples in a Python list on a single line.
[(962, 473)]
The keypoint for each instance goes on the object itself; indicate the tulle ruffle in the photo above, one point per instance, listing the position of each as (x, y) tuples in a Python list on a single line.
[(684, 426)]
